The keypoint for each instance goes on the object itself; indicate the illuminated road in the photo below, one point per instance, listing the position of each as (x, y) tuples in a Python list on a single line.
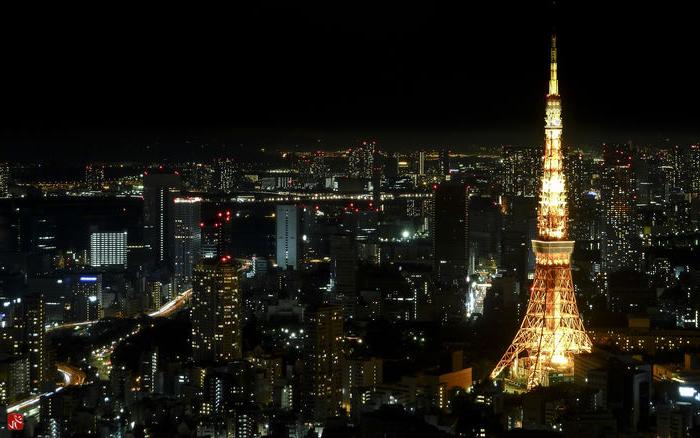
[(76, 376), (166, 310), (69, 325), (267, 197), (172, 306), (71, 374)]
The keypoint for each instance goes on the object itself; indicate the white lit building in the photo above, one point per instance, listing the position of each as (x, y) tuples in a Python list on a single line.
[(187, 239), (287, 236), (108, 249)]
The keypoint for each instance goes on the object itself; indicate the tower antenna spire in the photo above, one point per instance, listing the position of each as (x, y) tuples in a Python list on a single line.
[(552, 331), (553, 79)]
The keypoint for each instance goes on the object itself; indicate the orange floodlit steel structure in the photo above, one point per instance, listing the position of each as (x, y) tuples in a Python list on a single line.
[(551, 331)]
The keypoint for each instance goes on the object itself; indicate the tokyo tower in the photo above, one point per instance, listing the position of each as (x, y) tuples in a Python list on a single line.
[(552, 330)]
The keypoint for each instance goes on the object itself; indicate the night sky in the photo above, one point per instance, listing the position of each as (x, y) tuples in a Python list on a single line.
[(406, 75)]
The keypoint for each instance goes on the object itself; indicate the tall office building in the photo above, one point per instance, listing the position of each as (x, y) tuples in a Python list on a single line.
[(323, 365), (14, 378), (187, 239), (4, 180), (226, 173), (485, 228), (216, 312), (155, 290), (108, 249), (378, 164), (421, 163), (87, 298), (318, 166), (34, 326), (444, 157), (520, 169), (519, 229), (676, 158), (361, 160), (216, 235), (159, 189), (450, 233), (94, 176), (689, 172), (343, 252), (288, 238), (618, 193)]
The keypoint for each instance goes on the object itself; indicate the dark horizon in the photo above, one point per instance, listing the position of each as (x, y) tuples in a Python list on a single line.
[(282, 76)]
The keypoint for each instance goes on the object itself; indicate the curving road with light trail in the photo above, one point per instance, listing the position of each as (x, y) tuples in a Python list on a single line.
[(75, 376), (172, 306)]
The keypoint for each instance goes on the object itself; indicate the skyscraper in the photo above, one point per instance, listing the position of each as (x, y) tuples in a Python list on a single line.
[(216, 312), (216, 235), (618, 193), (361, 160), (450, 233), (323, 367), (288, 239), (108, 249), (484, 232), (693, 169), (4, 180), (318, 166), (343, 252), (34, 325), (552, 331), (87, 298), (444, 161), (685, 168), (94, 176), (226, 172), (159, 189), (520, 168), (187, 239)]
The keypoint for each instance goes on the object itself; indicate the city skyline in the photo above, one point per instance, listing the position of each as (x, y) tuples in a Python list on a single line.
[(327, 221)]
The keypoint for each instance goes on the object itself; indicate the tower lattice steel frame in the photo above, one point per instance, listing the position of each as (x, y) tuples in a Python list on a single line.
[(552, 330)]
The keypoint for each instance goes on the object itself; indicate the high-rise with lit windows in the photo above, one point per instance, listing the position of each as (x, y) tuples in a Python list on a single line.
[(87, 297), (288, 239), (159, 189), (618, 194), (323, 364), (4, 180), (34, 325), (450, 233), (361, 160), (187, 239), (226, 173), (94, 176), (108, 249), (215, 312)]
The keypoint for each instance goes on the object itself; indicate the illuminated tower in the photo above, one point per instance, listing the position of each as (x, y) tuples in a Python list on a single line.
[(215, 311), (34, 322), (552, 331), (187, 238)]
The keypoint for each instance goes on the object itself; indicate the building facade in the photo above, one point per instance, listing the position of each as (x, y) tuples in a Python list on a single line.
[(216, 312), (187, 239), (288, 236), (108, 249)]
